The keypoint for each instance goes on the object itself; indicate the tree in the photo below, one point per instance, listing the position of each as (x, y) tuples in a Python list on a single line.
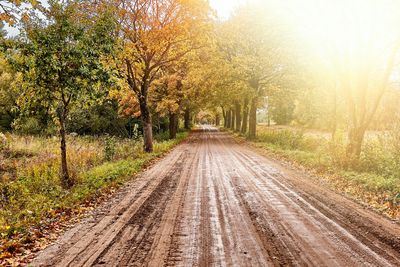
[(168, 96), (61, 61), (255, 54), (156, 34)]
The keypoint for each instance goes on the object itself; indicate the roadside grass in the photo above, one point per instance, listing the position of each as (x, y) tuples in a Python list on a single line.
[(375, 180), (31, 196)]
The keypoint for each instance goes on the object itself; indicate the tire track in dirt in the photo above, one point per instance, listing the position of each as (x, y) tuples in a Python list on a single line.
[(147, 221), (162, 249), (298, 222), (213, 202), (331, 221), (87, 249)]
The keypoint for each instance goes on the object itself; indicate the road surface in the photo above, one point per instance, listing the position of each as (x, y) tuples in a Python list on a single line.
[(214, 202)]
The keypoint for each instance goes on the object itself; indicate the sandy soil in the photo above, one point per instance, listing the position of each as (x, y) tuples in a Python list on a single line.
[(214, 202)]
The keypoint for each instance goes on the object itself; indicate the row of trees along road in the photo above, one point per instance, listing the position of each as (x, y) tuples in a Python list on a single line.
[(246, 65), (168, 58)]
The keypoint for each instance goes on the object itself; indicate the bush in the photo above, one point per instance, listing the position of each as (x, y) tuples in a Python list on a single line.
[(28, 126), (375, 158), (287, 139)]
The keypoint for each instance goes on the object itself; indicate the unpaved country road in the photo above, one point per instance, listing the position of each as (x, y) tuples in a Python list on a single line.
[(213, 202)]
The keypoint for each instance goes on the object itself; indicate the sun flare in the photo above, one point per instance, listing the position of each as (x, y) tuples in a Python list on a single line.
[(353, 29), (225, 8)]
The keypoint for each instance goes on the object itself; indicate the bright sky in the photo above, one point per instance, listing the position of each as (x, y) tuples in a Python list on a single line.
[(225, 8)]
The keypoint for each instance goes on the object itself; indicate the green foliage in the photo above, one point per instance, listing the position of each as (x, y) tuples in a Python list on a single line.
[(98, 119), (161, 136), (282, 100), (336, 150), (381, 155), (61, 60), (28, 125), (282, 113)]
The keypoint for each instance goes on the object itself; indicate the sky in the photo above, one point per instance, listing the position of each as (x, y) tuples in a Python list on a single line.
[(225, 8)]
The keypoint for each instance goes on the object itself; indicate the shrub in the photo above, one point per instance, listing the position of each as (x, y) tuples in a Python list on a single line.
[(288, 139), (375, 158), (30, 125)]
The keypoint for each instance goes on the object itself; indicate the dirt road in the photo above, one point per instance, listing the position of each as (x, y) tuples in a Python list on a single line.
[(213, 202)]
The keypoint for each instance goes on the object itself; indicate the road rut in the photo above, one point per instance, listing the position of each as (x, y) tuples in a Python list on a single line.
[(214, 202)]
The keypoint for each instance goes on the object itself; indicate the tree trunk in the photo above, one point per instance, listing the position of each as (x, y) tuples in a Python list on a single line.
[(224, 115), (147, 127), (173, 118), (177, 123), (238, 116), (356, 138), (142, 93), (228, 119), (245, 115), (253, 119), (66, 180), (217, 120), (187, 119), (232, 119)]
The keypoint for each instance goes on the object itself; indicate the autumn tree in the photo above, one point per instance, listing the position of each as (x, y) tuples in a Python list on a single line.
[(252, 46), (168, 94), (61, 62), (214, 81), (204, 77), (154, 35), (364, 96)]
